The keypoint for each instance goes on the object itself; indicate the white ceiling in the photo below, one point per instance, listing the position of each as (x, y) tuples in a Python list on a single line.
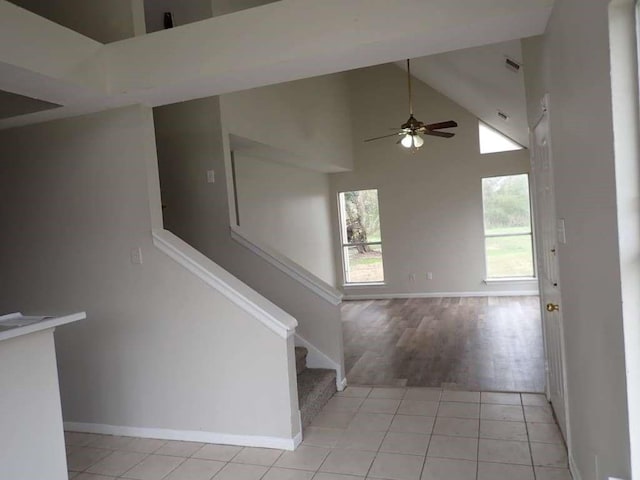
[(255, 47), (477, 79)]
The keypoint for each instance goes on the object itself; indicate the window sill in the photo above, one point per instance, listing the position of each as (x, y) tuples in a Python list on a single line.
[(361, 285), (489, 281)]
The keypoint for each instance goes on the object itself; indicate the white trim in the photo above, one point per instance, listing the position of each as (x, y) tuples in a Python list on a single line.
[(364, 285), (318, 359), (488, 293), (287, 266), (518, 280), (269, 314), (342, 385), (187, 435), (573, 468)]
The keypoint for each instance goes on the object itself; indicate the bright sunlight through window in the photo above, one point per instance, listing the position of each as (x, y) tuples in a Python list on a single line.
[(507, 227), (361, 240), (492, 141)]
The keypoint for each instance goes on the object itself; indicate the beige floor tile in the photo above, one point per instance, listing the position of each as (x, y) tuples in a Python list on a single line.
[(424, 394), (79, 439), (448, 469), (405, 443), (333, 419), (395, 393), (511, 413), (236, 471), (453, 447), (538, 414), (336, 476), (355, 392), (504, 451), (501, 398), (322, 437), (277, 473), (459, 410), (179, 448), (418, 407), (144, 445), (379, 405), (456, 427), (82, 458), (348, 462), (303, 458), (257, 456), (501, 430), (196, 469), (117, 463), (223, 453), (371, 422), (343, 404), (546, 473), (544, 433), (502, 471), (396, 467), (412, 424), (460, 396), (91, 476), (534, 399), (112, 442), (361, 440), (154, 467), (549, 455)]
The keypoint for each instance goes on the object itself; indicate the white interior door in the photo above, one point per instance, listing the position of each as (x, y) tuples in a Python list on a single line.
[(549, 232)]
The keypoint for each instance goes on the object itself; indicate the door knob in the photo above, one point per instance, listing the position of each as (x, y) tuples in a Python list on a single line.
[(552, 307)]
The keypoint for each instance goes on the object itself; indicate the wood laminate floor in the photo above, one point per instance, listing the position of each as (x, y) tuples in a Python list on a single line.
[(483, 343)]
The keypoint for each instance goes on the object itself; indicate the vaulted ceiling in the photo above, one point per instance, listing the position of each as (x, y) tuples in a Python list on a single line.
[(277, 42)]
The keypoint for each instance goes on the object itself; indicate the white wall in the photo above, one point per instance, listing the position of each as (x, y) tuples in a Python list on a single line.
[(572, 63), (105, 22), (308, 119), (430, 201), (289, 209), (190, 141), (159, 349)]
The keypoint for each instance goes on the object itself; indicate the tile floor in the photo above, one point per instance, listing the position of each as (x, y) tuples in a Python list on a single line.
[(373, 433)]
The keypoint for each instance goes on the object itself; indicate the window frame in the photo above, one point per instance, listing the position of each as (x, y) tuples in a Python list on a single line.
[(344, 245), (531, 233)]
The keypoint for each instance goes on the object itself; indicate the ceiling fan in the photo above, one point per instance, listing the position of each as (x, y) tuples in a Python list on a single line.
[(410, 130)]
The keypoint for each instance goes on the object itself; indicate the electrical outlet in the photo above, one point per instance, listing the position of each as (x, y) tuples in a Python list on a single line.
[(429, 275), (136, 256), (211, 176)]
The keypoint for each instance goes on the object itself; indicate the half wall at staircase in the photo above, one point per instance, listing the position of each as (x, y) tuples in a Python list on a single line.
[(191, 140)]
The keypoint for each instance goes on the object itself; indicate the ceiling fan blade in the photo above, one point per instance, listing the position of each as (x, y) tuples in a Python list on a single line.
[(383, 136), (439, 134), (438, 126)]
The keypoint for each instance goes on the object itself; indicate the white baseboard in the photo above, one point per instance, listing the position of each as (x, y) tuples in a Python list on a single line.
[(342, 384), (573, 468), (187, 435), (317, 359), (488, 293)]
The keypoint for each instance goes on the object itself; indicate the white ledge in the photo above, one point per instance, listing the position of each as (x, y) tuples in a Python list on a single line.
[(272, 316), (287, 266)]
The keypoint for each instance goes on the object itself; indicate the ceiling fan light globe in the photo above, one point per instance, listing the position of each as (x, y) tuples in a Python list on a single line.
[(407, 141), (418, 141)]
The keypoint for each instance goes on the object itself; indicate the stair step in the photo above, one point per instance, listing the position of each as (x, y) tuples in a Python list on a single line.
[(315, 387), (301, 359)]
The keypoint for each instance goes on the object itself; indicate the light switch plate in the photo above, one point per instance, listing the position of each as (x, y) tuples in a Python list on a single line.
[(211, 176), (562, 232), (136, 256)]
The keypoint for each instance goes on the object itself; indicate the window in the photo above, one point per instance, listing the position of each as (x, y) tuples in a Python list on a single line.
[(492, 141), (361, 240), (507, 227)]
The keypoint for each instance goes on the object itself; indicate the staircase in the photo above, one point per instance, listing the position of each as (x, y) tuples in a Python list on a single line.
[(315, 387)]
